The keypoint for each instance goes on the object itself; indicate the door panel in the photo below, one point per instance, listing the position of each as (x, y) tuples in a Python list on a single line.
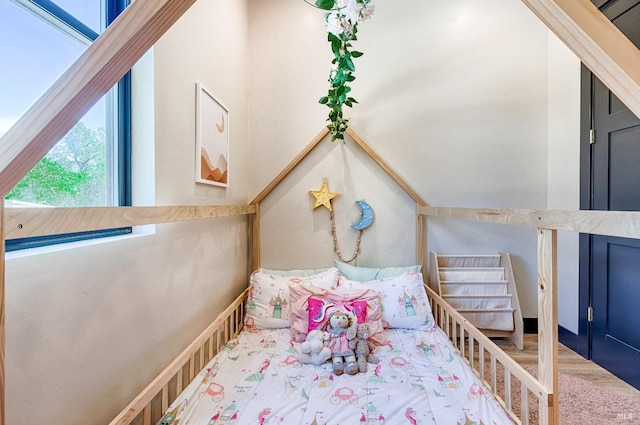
[(617, 132), (615, 262), (616, 297), (624, 165), (615, 185)]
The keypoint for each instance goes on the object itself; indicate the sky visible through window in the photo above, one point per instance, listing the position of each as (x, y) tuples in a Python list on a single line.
[(87, 11), (34, 55)]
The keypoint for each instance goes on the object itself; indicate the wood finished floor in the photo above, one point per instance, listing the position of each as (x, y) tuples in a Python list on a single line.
[(571, 363)]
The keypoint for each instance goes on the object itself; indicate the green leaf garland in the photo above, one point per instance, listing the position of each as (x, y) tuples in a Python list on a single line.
[(342, 29)]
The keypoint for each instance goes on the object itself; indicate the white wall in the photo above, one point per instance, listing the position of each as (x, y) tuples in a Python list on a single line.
[(453, 95), (295, 236), (208, 45), (88, 328), (564, 170)]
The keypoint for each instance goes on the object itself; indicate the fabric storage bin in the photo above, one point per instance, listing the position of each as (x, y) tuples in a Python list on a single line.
[(494, 319), (468, 261), (478, 302), (475, 288), (472, 274), (483, 288)]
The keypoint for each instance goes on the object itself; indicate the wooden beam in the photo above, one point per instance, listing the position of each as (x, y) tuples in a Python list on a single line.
[(597, 42), (624, 224), (30, 222), (255, 239), (421, 240), (548, 322), (361, 144), (83, 84)]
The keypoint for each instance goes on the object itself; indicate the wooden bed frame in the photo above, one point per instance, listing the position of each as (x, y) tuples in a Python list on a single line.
[(480, 352), (595, 40), (151, 404)]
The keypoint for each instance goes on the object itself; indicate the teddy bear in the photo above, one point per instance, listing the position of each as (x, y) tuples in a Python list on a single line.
[(313, 350), (341, 328), (363, 348)]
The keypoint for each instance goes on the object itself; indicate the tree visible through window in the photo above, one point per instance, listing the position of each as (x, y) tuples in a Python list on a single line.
[(72, 173)]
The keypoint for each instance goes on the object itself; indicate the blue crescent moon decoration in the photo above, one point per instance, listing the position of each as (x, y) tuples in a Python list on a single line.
[(367, 216)]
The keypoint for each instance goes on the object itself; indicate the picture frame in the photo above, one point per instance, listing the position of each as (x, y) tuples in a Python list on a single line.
[(212, 139)]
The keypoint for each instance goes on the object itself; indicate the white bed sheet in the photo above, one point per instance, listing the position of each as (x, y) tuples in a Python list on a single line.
[(257, 379)]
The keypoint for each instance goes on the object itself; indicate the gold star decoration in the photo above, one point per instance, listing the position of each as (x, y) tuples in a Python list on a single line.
[(323, 196)]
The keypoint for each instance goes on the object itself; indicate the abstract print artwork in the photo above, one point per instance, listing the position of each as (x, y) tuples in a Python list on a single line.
[(212, 139)]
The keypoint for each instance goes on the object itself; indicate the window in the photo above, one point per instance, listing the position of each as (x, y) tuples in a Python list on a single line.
[(90, 166)]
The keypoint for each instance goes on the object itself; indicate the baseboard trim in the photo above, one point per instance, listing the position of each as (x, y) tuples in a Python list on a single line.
[(530, 325)]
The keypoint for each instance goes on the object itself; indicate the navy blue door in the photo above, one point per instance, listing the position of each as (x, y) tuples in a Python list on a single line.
[(615, 262)]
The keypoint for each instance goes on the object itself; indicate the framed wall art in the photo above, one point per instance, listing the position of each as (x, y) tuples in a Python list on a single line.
[(212, 139)]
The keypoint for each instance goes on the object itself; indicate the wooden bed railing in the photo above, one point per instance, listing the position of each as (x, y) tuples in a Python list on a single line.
[(149, 407), (547, 223), (474, 346)]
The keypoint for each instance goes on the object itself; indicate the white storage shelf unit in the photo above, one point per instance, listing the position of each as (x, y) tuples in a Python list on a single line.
[(483, 289)]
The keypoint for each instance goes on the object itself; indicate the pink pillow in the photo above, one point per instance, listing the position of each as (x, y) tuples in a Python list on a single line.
[(268, 302), (316, 309), (299, 316)]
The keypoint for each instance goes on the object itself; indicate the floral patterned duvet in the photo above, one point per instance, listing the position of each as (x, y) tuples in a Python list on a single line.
[(256, 379)]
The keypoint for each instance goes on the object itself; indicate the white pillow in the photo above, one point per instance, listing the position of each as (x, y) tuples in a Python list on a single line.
[(365, 274), (268, 305), (403, 298), (295, 272)]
